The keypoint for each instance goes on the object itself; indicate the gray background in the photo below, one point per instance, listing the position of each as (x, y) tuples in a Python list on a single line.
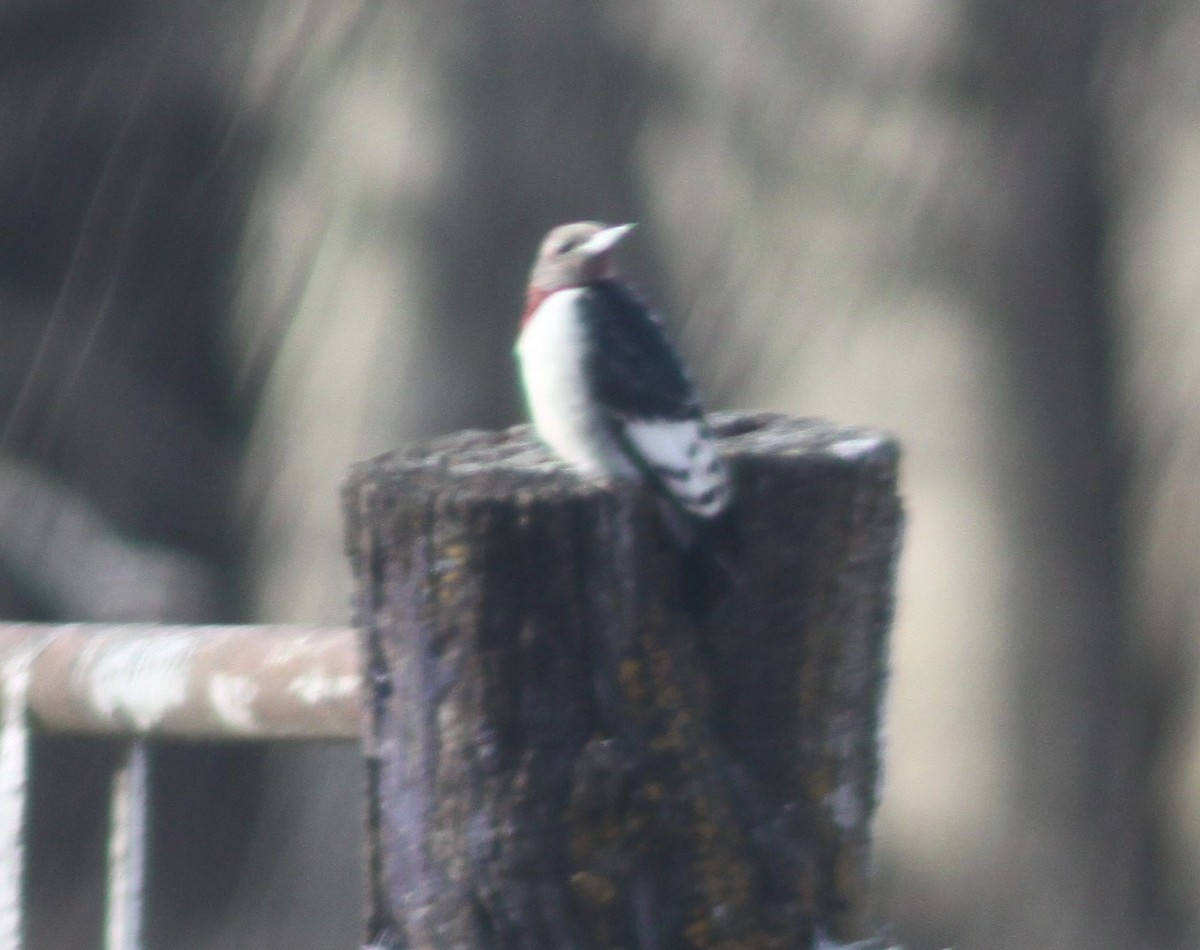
[(243, 244)]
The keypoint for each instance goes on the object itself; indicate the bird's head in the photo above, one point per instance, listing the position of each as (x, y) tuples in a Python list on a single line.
[(574, 255)]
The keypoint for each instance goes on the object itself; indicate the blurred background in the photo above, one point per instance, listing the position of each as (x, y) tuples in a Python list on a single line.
[(244, 243)]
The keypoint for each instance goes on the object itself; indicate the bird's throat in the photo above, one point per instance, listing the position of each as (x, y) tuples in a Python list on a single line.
[(533, 299)]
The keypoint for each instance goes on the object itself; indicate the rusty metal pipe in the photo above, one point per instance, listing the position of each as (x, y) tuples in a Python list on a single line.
[(253, 683)]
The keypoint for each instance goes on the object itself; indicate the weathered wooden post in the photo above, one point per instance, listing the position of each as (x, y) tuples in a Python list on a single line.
[(563, 755)]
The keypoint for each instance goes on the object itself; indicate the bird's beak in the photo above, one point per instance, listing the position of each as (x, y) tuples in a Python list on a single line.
[(603, 241)]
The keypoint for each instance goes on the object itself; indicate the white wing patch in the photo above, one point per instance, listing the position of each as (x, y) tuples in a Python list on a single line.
[(683, 456)]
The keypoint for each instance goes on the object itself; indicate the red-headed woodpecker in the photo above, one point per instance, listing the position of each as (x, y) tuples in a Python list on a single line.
[(606, 391)]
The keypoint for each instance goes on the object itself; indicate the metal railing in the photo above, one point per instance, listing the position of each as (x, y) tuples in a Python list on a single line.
[(145, 681)]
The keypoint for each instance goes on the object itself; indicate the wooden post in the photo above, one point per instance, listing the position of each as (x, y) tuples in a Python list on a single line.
[(563, 754)]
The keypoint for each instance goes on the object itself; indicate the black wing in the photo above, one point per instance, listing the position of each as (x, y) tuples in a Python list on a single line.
[(651, 408), (634, 369)]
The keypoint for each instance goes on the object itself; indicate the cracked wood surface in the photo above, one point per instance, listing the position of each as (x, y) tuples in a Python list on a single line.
[(568, 751)]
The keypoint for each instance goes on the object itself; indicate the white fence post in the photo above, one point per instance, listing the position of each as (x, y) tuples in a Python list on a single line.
[(14, 787), (123, 926)]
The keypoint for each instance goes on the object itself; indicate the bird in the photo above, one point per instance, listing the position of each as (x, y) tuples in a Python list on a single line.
[(606, 391)]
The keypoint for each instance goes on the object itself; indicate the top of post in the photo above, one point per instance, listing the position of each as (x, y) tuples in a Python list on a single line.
[(495, 464)]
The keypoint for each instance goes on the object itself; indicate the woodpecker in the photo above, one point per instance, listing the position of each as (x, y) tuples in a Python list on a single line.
[(605, 389)]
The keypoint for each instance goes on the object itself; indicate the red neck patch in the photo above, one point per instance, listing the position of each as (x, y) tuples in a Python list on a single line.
[(533, 300)]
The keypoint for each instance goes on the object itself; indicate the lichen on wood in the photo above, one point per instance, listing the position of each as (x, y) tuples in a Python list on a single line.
[(566, 752)]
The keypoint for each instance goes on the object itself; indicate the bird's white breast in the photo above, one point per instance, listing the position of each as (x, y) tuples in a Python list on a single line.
[(552, 350)]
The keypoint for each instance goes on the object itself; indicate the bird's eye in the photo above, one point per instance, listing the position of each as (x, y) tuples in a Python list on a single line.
[(568, 245)]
